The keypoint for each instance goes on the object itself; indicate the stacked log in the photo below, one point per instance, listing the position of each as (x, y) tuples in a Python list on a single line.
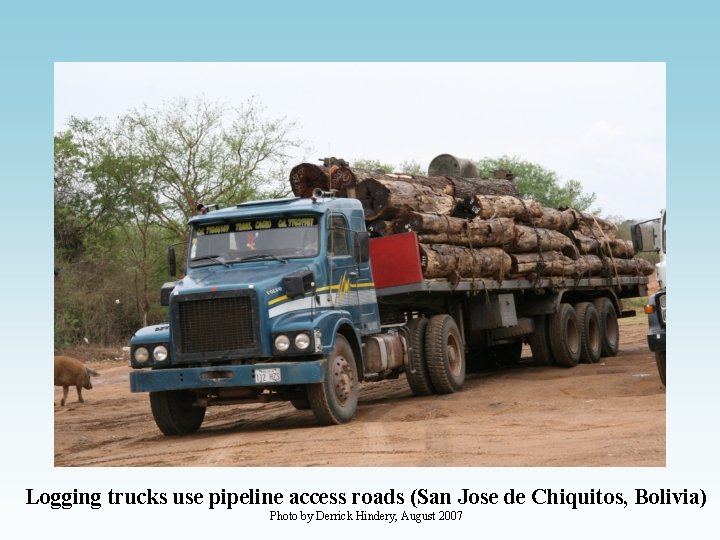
[(478, 227)]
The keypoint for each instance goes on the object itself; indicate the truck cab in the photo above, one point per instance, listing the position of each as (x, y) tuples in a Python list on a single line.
[(274, 305), (647, 236)]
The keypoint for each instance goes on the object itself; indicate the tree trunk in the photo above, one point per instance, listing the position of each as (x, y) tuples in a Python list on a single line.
[(454, 262), (379, 227), (590, 225), (596, 266), (429, 224), (477, 233), (556, 220), (548, 263), (617, 247), (386, 198), (307, 177), (503, 206), (534, 239), (470, 187), (343, 181)]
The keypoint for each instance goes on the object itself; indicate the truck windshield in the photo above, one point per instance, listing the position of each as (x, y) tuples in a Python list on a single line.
[(254, 239)]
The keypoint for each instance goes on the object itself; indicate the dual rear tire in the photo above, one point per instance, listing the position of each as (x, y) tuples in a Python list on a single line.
[(436, 356), (583, 333)]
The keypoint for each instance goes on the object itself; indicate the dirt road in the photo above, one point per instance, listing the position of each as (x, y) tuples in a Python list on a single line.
[(606, 414)]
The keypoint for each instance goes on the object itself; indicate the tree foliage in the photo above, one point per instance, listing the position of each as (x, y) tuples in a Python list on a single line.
[(406, 167), (536, 182), (125, 189), (373, 165)]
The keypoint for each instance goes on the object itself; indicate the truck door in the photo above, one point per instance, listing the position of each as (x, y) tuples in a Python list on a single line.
[(342, 269)]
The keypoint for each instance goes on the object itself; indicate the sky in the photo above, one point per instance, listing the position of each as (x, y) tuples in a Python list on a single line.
[(600, 123)]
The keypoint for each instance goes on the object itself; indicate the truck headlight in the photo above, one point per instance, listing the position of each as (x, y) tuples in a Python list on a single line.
[(160, 353), (141, 355), (282, 343), (302, 341)]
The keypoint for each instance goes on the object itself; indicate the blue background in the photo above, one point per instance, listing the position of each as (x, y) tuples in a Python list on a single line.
[(684, 35)]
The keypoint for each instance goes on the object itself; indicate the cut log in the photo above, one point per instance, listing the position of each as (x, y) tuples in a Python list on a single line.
[(590, 225), (447, 164), (617, 247), (444, 261), (592, 265), (470, 187), (477, 233), (429, 224), (343, 181), (502, 206), (307, 177), (386, 198), (549, 263), (379, 227), (556, 220), (535, 239)]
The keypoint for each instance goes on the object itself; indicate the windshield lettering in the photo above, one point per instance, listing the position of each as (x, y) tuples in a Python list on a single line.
[(242, 240)]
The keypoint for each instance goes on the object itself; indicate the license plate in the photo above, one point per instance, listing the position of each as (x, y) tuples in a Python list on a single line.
[(270, 375)]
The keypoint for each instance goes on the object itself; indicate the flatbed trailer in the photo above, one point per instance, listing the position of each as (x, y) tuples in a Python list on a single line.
[(291, 300)]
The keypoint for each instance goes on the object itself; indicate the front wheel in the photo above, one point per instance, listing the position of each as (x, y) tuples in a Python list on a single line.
[(660, 361), (175, 412), (335, 400)]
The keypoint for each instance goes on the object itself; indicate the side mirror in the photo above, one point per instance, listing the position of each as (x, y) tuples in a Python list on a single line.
[(298, 283), (637, 238), (172, 268), (362, 247)]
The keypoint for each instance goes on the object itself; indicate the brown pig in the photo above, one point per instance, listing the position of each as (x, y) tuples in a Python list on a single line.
[(71, 372)]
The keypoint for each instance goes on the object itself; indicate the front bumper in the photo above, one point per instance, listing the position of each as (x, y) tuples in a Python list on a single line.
[(291, 373)]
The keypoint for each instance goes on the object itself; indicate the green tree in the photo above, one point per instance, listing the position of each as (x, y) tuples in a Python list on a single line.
[(412, 167), (543, 185), (373, 165), (125, 189), (406, 167)]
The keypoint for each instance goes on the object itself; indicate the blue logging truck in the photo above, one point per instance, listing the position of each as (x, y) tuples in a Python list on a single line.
[(291, 300)]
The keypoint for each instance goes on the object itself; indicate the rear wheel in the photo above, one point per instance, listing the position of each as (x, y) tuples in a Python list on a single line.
[(417, 373), (540, 342), (589, 323), (445, 354), (609, 329), (660, 361), (335, 400), (565, 336), (175, 413)]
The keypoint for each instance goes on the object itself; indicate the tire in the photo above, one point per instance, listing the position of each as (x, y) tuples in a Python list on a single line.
[(660, 361), (300, 400), (609, 329), (174, 412), (589, 323), (565, 342), (417, 372), (540, 342), (445, 355), (335, 400)]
